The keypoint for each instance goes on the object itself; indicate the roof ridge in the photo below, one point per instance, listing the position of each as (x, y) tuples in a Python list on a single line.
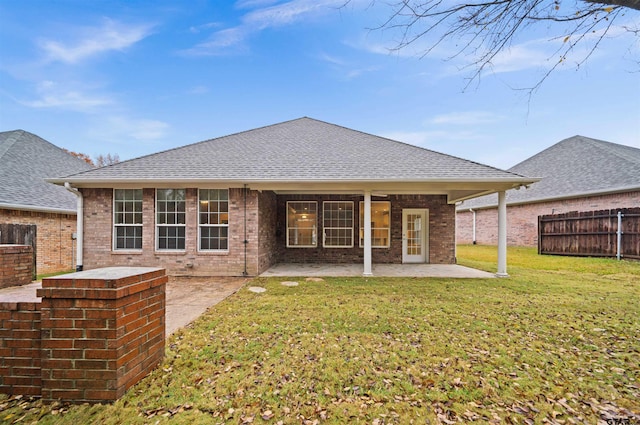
[(612, 149), (418, 147), (10, 141), (597, 143)]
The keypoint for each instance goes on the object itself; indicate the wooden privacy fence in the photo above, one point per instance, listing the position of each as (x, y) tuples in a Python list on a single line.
[(606, 233), (20, 234)]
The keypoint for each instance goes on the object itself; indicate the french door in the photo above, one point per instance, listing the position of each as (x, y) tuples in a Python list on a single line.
[(415, 235)]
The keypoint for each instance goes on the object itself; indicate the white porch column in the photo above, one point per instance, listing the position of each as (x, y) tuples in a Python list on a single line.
[(502, 235), (367, 234)]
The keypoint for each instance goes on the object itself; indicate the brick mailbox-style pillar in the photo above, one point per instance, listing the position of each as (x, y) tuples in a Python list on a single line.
[(102, 331)]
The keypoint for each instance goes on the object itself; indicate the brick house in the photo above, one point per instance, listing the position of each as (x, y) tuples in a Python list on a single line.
[(300, 191), (577, 174), (26, 198)]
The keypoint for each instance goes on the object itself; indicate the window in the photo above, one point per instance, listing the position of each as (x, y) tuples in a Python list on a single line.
[(301, 224), (213, 213), (127, 219), (338, 224), (380, 229), (170, 219)]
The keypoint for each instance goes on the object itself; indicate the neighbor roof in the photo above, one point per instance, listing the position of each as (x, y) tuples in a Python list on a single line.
[(25, 161), (575, 167), (292, 153)]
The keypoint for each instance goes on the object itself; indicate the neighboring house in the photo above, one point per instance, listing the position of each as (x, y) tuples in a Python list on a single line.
[(26, 198), (298, 191), (577, 174)]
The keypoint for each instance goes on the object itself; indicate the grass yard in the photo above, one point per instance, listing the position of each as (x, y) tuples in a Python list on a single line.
[(558, 342)]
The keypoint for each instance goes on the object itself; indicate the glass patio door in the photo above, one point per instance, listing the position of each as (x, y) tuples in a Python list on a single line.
[(415, 234)]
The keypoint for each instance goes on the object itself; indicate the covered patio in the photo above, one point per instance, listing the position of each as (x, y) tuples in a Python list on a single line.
[(379, 270)]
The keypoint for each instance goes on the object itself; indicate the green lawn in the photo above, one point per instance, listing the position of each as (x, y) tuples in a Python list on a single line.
[(557, 342)]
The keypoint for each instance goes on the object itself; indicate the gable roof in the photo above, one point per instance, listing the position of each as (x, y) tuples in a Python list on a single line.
[(26, 161), (300, 153), (574, 167)]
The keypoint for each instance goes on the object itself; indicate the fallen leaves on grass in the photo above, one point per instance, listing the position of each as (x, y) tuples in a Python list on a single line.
[(546, 346)]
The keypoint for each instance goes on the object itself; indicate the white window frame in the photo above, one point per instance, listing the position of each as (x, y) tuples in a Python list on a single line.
[(117, 225), (314, 228), (325, 227), (168, 225), (361, 234), (215, 225)]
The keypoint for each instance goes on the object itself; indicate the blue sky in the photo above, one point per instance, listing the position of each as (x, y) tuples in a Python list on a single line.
[(134, 78)]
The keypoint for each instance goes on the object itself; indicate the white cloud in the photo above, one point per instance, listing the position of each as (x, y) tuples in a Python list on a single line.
[(260, 19), (287, 13), (248, 4), (331, 59), (122, 130), (54, 95), (111, 35), (199, 28), (230, 37), (345, 68)]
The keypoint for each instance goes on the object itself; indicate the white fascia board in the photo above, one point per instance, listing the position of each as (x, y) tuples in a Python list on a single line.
[(555, 198), (291, 184), (34, 208)]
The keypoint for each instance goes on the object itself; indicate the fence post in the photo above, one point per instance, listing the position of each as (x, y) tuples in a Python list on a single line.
[(619, 234)]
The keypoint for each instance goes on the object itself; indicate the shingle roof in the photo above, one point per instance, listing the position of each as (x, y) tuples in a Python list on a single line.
[(573, 167), (297, 151), (25, 161)]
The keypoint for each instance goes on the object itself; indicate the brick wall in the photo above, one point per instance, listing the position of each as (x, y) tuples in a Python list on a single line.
[(441, 231), (98, 204), (267, 230), (265, 220), (20, 348), (94, 335), (522, 220), (16, 265), (54, 242)]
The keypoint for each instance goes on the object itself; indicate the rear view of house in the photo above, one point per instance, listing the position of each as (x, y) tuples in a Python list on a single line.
[(302, 191)]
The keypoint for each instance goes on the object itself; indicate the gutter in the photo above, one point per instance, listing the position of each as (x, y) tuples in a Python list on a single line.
[(79, 225)]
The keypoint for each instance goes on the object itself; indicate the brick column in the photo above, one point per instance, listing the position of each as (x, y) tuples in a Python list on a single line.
[(102, 331)]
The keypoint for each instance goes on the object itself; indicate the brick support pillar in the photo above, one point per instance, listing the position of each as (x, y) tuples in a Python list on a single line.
[(102, 331)]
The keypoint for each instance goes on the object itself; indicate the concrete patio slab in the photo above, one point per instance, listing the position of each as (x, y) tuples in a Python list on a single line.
[(379, 270), (189, 297), (21, 294), (186, 300)]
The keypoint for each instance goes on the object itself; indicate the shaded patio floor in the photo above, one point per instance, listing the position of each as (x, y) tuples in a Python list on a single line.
[(379, 270)]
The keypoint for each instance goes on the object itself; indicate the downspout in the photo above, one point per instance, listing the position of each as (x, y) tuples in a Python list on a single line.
[(79, 225), (502, 235), (474, 225), (246, 242)]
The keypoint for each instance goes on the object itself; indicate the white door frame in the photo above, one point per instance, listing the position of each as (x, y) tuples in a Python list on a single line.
[(422, 236)]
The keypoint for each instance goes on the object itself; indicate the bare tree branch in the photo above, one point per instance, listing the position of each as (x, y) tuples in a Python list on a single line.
[(485, 28)]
